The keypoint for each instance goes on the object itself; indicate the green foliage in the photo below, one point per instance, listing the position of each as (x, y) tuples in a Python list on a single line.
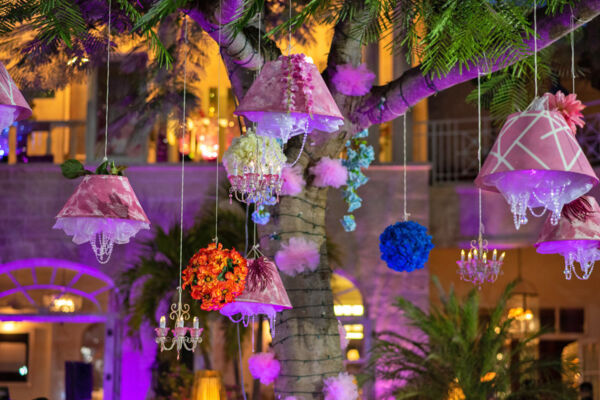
[(177, 383), (452, 348), (72, 169), (511, 90)]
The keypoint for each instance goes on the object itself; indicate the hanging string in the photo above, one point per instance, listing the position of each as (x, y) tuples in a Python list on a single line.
[(406, 214), (107, 80), (183, 131), (572, 51), (290, 31), (241, 361), (535, 66), (216, 239), (479, 150)]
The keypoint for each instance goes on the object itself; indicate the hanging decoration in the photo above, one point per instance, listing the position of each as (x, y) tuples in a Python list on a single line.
[(215, 276), (298, 100), (405, 246), (13, 106), (179, 311), (353, 81), (477, 268), (359, 156), (254, 164), (341, 387), (261, 216), (264, 367), (576, 237), (297, 256), (329, 172), (264, 292), (104, 210), (536, 161), (293, 181)]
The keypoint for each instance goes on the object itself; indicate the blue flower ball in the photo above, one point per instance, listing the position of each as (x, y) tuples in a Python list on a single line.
[(405, 246)]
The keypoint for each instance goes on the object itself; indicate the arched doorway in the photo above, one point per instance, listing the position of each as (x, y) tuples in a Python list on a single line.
[(49, 311), (350, 310)]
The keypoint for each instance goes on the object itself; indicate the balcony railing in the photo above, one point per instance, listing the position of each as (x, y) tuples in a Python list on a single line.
[(453, 146)]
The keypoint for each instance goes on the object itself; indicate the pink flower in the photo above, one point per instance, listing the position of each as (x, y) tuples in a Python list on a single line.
[(353, 81), (569, 107)]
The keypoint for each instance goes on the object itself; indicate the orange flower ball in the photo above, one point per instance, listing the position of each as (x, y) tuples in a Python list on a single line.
[(215, 276)]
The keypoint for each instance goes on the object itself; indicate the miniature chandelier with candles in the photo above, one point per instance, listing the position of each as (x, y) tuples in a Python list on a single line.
[(179, 312), (478, 268), (254, 164)]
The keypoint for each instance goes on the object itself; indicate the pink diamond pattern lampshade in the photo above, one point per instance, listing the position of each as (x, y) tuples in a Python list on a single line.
[(576, 239), (13, 106), (536, 162), (104, 210), (253, 301), (290, 98)]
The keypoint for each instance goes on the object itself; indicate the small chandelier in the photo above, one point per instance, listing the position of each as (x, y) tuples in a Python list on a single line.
[(179, 313), (477, 268), (255, 184), (254, 164)]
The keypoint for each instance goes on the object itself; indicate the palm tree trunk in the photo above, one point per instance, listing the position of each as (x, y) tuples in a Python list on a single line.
[(306, 339)]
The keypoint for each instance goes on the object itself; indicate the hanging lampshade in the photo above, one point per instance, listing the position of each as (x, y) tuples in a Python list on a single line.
[(13, 106), (290, 98), (536, 162), (264, 294), (104, 210), (576, 237), (208, 385)]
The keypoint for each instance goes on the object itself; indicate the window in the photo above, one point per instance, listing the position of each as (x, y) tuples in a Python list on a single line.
[(14, 364)]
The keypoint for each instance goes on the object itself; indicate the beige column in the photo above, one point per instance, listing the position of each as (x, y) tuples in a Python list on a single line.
[(420, 114), (12, 145)]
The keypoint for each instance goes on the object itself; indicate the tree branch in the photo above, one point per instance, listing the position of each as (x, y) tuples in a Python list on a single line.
[(239, 52), (389, 101)]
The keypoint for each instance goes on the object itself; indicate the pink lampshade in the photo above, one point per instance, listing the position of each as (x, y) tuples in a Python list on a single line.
[(256, 300), (103, 208), (536, 162), (577, 239), (289, 98), (13, 106)]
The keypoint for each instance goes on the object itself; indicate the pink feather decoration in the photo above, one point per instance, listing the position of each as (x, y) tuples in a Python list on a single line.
[(341, 387), (264, 367), (329, 172), (297, 256), (293, 182), (342, 331), (353, 81)]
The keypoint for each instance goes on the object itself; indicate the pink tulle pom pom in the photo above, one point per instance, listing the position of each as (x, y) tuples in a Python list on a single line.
[(353, 81), (293, 182), (569, 107), (341, 387), (264, 367), (297, 256), (342, 331), (329, 172)]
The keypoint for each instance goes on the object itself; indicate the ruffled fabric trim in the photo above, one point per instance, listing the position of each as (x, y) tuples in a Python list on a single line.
[(286, 125), (85, 229)]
